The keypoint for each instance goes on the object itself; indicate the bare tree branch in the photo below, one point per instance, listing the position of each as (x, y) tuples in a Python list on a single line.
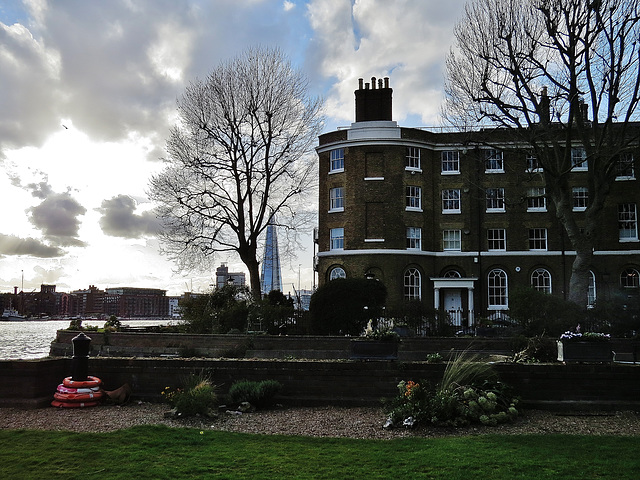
[(556, 74), (242, 152)]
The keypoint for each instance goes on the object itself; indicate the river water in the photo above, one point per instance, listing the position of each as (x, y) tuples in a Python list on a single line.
[(32, 339)]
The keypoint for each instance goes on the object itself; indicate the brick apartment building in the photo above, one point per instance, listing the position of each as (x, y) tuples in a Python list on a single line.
[(457, 219)]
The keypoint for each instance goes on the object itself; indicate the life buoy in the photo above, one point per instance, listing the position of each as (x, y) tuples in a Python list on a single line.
[(78, 397), (90, 382), (58, 404), (63, 389)]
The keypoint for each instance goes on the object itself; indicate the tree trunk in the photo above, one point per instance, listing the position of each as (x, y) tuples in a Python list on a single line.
[(254, 277), (579, 282), (582, 237)]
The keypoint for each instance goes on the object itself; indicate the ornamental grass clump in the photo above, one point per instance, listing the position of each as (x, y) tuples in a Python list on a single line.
[(196, 397), (259, 394), (469, 392)]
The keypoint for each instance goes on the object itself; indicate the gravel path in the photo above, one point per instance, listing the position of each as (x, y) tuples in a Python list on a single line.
[(316, 422)]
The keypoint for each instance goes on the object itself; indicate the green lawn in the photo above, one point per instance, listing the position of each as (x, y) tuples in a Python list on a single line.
[(157, 452)]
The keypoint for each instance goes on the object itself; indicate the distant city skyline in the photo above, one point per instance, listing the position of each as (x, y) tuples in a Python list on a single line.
[(90, 91)]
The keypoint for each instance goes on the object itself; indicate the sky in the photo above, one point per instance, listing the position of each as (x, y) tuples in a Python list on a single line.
[(88, 92)]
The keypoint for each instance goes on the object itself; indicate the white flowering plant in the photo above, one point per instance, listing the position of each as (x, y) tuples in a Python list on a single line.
[(585, 337)]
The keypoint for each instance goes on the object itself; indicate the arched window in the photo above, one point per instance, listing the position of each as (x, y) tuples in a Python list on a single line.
[(337, 272), (629, 278), (541, 280), (497, 289), (452, 274), (591, 293), (412, 284)]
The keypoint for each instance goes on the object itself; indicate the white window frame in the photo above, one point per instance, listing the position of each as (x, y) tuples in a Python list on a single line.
[(591, 292), (541, 280), (336, 199), (412, 283), (450, 162), (414, 238), (630, 278), (493, 161), (336, 240), (451, 200), (625, 169), (579, 159), (412, 160), (337, 272), (498, 199), (538, 239), (451, 240), (532, 164), (580, 197), (498, 289), (496, 243), (627, 222), (336, 162), (536, 199), (413, 200)]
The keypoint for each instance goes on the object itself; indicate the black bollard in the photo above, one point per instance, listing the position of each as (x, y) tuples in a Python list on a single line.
[(80, 360)]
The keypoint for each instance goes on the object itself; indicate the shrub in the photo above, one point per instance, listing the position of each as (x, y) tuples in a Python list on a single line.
[(259, 394), (468, 393), (345, 305), (112, 323), (197, 397), (538, 349), (541, 313)]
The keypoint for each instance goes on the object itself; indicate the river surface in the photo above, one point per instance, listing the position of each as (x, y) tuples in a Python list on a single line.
[(32, 339)]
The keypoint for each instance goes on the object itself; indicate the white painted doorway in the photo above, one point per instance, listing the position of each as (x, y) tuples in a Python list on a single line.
[(452, 303)]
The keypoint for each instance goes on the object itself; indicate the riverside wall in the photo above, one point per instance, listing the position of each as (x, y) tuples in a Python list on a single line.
[(126, 344), (31, 383)]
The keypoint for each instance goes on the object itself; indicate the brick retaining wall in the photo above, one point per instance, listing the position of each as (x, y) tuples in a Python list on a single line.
[(31, 383)]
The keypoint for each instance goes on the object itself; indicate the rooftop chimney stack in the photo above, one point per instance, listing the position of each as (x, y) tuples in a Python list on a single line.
[(373, 104), (544, 107)]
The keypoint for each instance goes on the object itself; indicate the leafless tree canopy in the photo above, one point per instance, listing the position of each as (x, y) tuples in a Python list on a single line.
[(557, 73), (241, 153)]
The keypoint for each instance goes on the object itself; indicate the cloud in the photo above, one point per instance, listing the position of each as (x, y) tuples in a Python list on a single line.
[(57, 217), (40, 190), (406, 40), (116, 70), (31, 72), (120, 220), (11, 245)]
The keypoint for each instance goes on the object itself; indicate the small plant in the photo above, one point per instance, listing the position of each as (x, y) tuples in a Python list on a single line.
[(259, 394), (75, 324), (197, 397), (113, 324), (434, 357), (385, 334)]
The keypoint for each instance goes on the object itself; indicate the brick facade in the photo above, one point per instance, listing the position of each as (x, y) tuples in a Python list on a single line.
[(464, 245)]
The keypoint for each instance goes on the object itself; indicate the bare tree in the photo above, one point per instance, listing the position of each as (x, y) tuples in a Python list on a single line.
[(558, 74), (240, 156)]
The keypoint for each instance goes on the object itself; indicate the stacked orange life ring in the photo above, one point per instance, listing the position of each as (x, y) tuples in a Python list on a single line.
[(78, 394)]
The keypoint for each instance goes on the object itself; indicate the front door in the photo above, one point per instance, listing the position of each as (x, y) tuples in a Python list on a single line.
[(452, 303)]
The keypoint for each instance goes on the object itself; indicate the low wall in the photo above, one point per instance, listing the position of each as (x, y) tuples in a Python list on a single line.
[(125, 344), (31, 383)]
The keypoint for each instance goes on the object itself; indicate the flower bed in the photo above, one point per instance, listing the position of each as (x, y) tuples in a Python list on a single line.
[(584, 347)]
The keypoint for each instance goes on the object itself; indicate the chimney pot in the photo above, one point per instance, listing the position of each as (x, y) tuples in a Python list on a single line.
[(374, 105), (360, 83)]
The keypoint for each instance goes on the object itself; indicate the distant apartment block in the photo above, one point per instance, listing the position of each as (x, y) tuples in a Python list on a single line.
[(225, 277)]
